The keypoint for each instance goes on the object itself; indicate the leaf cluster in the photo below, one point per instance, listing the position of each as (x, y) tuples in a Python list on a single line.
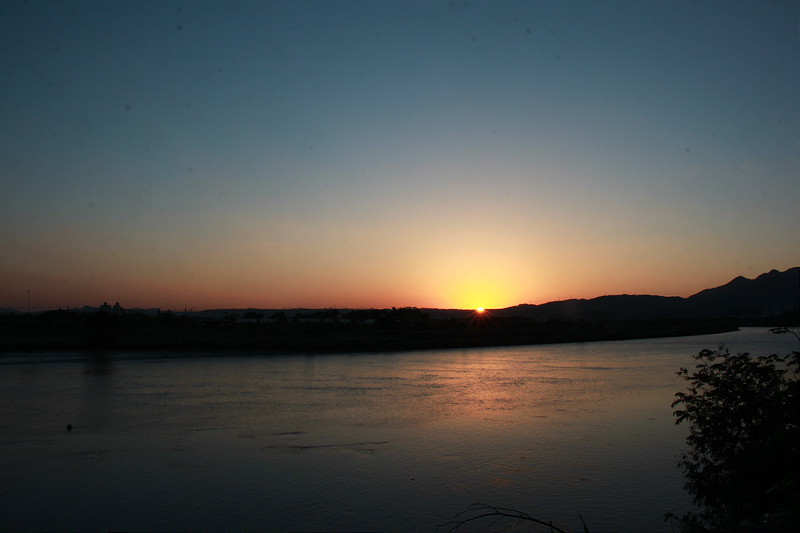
[(744, 415)]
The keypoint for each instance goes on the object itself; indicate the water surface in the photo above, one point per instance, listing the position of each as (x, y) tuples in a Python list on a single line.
[(365, 442)]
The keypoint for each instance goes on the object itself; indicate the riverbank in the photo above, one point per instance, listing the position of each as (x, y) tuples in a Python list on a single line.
[(101, 332)]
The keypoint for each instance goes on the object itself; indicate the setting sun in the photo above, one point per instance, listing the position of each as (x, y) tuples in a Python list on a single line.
[(479, 310)]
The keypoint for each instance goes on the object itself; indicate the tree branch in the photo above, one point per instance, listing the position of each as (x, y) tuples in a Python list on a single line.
[(485, 511)]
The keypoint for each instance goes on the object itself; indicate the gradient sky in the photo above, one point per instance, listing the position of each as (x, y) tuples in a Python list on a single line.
[(378, 153)]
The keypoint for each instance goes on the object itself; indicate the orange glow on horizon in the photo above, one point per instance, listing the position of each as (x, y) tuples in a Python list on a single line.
[(481, 295)]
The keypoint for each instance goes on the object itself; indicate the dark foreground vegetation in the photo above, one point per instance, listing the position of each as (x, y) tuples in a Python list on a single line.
[(743, 464), (324, 331)]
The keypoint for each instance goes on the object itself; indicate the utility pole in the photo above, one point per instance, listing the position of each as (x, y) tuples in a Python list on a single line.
[(29, 303)]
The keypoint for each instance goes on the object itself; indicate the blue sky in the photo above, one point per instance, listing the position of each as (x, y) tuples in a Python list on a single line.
[(371, 154)]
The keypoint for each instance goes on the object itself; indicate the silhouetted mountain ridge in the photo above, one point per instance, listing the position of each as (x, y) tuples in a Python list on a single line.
[(772, 299), (771, 294)]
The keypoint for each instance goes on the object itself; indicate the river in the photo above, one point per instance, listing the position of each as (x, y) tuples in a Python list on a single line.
[(367, 442)]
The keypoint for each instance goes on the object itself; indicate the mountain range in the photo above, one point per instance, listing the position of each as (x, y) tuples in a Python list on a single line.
[(772, 299), (771, 294)]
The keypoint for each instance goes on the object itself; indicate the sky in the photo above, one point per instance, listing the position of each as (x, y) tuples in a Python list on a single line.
[(370, 154)]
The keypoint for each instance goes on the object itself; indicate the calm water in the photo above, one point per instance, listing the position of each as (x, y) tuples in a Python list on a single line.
[(386, 442)]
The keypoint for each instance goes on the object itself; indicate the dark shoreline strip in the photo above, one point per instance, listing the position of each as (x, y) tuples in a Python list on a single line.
[(310, 446)]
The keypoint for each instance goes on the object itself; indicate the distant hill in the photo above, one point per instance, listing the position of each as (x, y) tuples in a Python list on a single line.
[(771, 294), (772, 299), (774, 293)]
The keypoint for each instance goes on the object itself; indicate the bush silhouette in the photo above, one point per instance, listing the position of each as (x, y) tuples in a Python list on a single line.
[(742, 467)]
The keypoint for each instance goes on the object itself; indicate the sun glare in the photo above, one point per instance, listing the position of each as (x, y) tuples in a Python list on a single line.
[(480, 310), (474, 289)]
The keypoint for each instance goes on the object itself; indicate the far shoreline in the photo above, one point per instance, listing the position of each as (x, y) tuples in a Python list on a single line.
[(250, 341)]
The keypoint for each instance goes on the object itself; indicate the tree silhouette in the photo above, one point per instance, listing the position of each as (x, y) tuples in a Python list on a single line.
[(742, 468)]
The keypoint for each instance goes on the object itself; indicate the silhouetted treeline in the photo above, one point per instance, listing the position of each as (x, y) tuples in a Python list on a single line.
[(771, 300), (353, 331)]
